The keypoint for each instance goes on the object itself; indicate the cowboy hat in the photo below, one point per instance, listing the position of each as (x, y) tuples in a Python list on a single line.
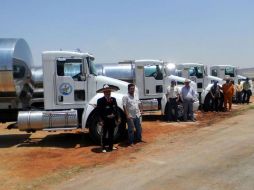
[(187, 80), (108, 87), (227, 78)]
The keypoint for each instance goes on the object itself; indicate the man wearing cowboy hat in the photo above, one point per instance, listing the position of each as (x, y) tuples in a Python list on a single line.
[(188, 97), (107, 107)]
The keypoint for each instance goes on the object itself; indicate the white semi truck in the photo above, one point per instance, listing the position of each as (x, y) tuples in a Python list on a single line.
[(69, 86), (198, 73), (223, 71), (152, 77)]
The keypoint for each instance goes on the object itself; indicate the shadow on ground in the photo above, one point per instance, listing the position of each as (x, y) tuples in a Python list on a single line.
[(66, 140), (7, 141)]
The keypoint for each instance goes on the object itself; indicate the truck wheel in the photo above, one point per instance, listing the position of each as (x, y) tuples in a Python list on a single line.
[(95, 130), (207, 103), (180, 111), (221, 102)]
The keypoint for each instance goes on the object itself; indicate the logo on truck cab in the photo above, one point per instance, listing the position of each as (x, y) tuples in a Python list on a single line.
[(65, 88)]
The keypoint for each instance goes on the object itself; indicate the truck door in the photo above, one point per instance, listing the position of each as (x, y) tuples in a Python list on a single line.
[(153, 80), (196, 74), (70, 83)]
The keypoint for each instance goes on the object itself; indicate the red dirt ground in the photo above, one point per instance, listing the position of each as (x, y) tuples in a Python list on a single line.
[(42, 159)]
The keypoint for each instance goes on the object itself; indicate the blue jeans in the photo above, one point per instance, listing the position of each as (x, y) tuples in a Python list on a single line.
[(134, 123)]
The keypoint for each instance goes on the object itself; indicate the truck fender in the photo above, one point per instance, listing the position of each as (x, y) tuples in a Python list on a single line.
[(91, 106)]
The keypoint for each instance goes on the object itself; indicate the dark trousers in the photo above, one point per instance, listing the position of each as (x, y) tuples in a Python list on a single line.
[(172, 110), (108, 128), (215, 102), (246, 93), (238, 97), (188, 110)]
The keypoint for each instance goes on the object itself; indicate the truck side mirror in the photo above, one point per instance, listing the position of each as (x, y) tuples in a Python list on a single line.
[(84, 71)]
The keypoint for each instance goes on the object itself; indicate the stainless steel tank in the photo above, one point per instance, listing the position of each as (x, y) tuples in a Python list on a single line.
[(15, 64), (170, 69), (123, 72), (37, 76), (47, 120)]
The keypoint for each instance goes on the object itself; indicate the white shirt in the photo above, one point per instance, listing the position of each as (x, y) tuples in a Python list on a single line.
[(187, 93), (172, 92), (131, 104)]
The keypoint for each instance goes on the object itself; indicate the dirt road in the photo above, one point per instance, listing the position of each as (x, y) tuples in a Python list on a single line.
[(43, 160), (220, 156)]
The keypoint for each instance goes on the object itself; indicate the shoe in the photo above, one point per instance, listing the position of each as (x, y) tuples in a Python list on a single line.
[(131, 145), (114, 148), (104, 151)]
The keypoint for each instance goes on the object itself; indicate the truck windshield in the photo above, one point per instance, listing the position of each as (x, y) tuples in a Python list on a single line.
[(214, 72), (230, 71), (196, 71), (92, 68)]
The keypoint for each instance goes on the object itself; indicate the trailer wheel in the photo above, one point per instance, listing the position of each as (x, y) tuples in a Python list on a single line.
[(95, 130)]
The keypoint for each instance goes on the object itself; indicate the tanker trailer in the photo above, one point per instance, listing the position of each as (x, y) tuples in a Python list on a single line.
[(15, 67)]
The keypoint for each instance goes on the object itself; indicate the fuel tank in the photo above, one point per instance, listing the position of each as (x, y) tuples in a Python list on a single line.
[(47, 120)]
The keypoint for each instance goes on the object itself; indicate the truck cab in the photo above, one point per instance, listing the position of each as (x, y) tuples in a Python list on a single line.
[(194, 71), (224, 71), (67, 79), (70, 83), (198, 73)]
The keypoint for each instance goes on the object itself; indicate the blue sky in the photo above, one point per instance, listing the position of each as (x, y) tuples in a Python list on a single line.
[(205, 31)]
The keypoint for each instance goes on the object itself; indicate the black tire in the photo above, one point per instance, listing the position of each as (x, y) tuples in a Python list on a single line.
[(207, 106), (180, 111), (208, 103), (95, 128), (221, 102)]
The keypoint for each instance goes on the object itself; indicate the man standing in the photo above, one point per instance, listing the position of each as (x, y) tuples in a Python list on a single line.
[(107, 107), (215, 93), (172, 99), (188, 97), (246, 91), (239, 89), (228, 92), (133, 109)]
